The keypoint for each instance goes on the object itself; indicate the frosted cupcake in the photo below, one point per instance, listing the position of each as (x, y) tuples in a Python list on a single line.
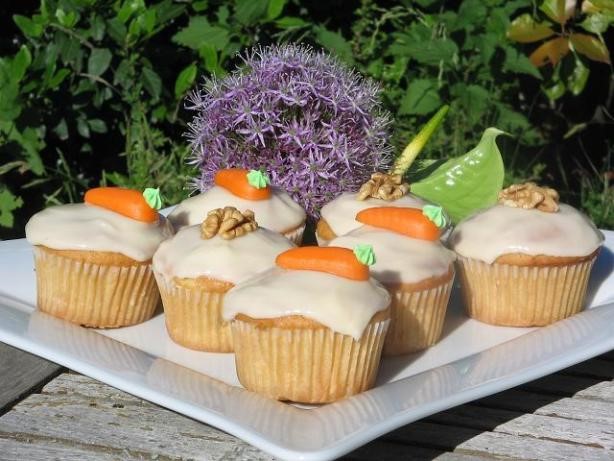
[(196, 268), (93, 259), (338, 217), (525, 261), (413, 265), (245, 190), (311, 329)]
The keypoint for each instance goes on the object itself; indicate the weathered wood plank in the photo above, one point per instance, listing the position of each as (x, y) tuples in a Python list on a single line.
[(475, 442), (580, 410), (21, 373), (600, 391), (47, 450), (88, 418)]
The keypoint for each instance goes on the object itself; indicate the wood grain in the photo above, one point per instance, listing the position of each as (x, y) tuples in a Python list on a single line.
[(21, 373)]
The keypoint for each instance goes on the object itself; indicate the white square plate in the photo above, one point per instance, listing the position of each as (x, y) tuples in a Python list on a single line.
[(471, 361)]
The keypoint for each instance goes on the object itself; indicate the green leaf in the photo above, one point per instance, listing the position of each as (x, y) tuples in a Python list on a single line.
[(468, 183), (578, 78), (555, 90), (27, 26), (185, 80), (97, 125), (430, 52), (334, 41), (274, 9), (152, 82), (99, 61), (201, 5), (208, 53), (421, 98), (250, 11), (290, 22), (474, 100), (518, 63), (199, 32), (83, 128), (58, 78), (8, 204), (20, 63), (591, 47), (61, 129), (117, 30), (66, 19), (525, 29), (597, 23)]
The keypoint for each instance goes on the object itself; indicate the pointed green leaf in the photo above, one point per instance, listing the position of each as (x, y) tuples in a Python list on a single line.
[(557, 10), (274, 9), (200, 32), (152, 82), (185, 80), (335, 42), (525, 29), (420, 98), (20, 63), (468, 183), (597, 23), (27, 26), (578, 78), (8, 204), (99, 61)]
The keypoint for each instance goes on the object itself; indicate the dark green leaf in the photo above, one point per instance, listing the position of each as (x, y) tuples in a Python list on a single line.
[(474, 100), (555, 90), (471, 14), (117, 30), (152, 82), (97, 28), (275, 8), (334, 41), (578, 78), (83, 128), (20, 63), (250, 11), (167, 10), (61, 129), (200, 32), (8, 203), (421, 98), (58, 78), (208, 53), (290, 22), (99, 61), (27, 26), (97, 125), (66, 19), (431, 52), (518, 63), (201, 5), (185, 80)]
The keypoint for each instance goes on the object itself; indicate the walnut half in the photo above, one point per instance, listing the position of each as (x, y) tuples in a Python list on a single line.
[(383, 186), (228, 223), (529, 195)]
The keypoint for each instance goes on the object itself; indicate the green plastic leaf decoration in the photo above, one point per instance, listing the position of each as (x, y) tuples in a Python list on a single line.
[(435, 214), (153, 198), (409, 154), (467, 183), (365, 254), (258, 179)]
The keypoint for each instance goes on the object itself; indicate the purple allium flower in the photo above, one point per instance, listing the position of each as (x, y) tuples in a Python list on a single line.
[(313, 124)]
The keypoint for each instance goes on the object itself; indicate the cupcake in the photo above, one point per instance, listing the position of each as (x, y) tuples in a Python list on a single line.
[(413, 265), (245, 190), (93, 259), (311, 329), (338, 217), (525, 261), (196, 268)]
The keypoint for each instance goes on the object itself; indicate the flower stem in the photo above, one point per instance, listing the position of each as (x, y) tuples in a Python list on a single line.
[(404, 161)]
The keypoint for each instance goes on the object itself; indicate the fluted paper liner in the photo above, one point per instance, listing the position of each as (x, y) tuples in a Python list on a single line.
[(306, 365), (295, 235), (194, 316), (523, 296), (417, 317), (94, 295)]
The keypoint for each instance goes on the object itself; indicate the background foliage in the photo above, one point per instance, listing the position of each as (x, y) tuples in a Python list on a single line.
[(91, 92)]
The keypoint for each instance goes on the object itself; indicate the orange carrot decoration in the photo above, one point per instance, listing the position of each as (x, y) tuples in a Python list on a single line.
[(236, 181), (332, 260), (407, 221), (127, 202)]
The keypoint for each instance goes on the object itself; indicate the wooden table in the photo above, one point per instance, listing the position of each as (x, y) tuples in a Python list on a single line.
[(47, 412)]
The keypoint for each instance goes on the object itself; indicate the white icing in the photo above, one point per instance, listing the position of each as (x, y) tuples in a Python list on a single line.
[(340, 214), (400, 259), (80, 226), (502, 229), (343, 305), (187, 255), (279, 213)]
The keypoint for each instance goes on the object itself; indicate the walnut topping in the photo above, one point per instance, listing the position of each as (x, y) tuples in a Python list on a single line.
[(529, 195), (383, 186), (228, 222)]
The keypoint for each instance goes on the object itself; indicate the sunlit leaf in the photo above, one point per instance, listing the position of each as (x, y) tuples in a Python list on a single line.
[(524, 29), (555, 90), (550, 52), (558, 10), (597, 23), (591, 47), (578, 78)]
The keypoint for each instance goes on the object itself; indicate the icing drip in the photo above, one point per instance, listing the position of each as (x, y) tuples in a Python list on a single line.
[(501, 230), (343, 305), (400, 259), (81, 226), (279, 213), (187, 255)]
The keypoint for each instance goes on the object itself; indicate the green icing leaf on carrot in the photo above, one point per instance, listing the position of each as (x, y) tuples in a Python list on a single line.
[(435, 214), (258, 179), (153, 198), (467, 183), (365, 254)]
